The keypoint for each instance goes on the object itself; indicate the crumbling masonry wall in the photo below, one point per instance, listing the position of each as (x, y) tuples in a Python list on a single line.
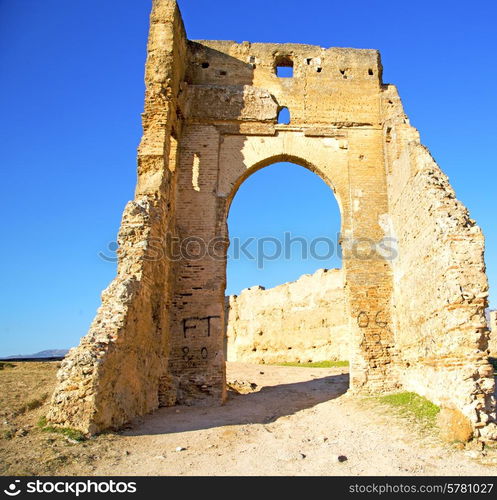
[(492, 344), (415, 317), (440, 286), (301, 321), (120, 370)]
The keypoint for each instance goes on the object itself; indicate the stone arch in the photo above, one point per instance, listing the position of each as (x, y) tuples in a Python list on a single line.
[(327, 157), (278, 158), (417, 321), (303, 320)]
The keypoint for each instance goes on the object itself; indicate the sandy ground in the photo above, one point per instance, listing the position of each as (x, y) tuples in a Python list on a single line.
[(297, 421)]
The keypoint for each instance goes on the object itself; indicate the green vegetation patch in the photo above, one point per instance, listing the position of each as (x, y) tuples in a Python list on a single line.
[(65, 431), (317, 364), (413, 405)]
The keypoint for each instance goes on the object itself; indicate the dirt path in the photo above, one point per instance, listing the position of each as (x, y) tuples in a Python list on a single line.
[(297, 422)]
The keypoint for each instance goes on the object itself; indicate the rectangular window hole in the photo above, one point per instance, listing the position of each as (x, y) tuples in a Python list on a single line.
[(283, 67), (388, 134), (284, 71)]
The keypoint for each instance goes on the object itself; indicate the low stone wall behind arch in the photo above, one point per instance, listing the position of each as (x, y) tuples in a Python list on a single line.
[(301, 321)]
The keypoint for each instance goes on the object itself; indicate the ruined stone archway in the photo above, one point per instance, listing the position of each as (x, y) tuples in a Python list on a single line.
[(198, 318), (416, 311)]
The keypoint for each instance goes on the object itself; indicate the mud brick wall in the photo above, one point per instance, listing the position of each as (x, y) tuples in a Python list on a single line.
[(492, 344), (440, 286), (120, 367), (415, 312), (302, 321)]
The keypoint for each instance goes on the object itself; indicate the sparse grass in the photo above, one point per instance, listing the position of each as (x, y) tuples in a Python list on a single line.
[(412, 405), (8, 434), (28, 449), (31, 405), (5, 364), (317, 364), (65, 431), (36, 403)]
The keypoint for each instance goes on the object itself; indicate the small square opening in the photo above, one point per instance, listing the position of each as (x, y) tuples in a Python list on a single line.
[(284, 115), (283, 67)]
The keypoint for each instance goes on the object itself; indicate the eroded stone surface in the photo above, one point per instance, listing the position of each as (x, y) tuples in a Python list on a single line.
[(454, 426), (415, 288), (302, 321), (492, 344)]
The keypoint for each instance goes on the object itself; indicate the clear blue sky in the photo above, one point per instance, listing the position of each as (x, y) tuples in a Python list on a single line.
[(71, 94)]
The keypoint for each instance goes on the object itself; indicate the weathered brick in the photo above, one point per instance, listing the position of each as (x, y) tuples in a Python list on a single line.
[(414, 303)]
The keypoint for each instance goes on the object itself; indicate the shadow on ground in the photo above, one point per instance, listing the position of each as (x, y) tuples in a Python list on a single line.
[(261, 407)]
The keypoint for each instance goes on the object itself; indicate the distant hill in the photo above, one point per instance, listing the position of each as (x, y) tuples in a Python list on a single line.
[(49, 353)]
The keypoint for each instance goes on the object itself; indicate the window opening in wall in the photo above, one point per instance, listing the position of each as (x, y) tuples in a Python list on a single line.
[(284, 67), (284, 116)]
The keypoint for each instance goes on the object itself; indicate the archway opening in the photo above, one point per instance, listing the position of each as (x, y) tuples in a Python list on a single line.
[(285, 300)]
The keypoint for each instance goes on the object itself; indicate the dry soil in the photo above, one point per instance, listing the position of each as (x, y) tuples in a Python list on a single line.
[(277, 421)]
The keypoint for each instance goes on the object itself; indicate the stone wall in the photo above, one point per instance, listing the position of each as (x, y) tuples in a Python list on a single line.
[(415, 311), (302, 321), (120, 370), (230, 131), (492, 344), (440, 286)]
